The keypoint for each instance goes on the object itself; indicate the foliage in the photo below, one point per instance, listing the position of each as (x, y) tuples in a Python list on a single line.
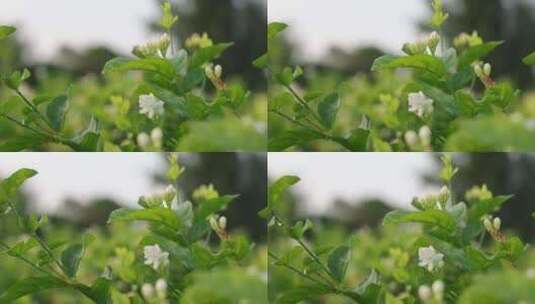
[(172, 95), (448, 101), (441, 251), (172, 259)]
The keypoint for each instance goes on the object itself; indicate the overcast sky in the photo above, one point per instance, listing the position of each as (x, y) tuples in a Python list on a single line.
[(123, 177), (394, 177), (48, 24), (318, 24)]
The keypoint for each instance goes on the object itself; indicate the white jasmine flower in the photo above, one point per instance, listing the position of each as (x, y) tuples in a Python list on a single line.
[(154, 256), (150, 106), (420, 104), (430, 258)]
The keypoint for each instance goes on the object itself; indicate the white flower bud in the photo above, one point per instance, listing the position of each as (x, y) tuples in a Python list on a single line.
[(411, 138), (438, 288), (444, 194), (161, 288), (213, 223), (143, 140), (425, 293), (487, 69), (488, 225), (208, 71), (218, 71), (156, 136), (497, 223), (478, 70), (223, 222), (425, 135), (147, 290)]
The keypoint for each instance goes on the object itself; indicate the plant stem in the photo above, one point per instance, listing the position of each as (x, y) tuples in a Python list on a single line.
[(303, 102), (297, 271), (33, 108)]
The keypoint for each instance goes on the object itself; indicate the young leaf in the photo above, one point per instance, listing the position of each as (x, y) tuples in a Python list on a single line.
[(431, 217), (208, 54), (71, 257), (477, 52), (6, 31), (487, 206), (277, 188), (328, 109), (338, 261), (530, 59), (29, 286), (56, 111), (275, 28), (160, 215), (10, 185), (421, 62), (214, 205), (299, 229), (154, 65)]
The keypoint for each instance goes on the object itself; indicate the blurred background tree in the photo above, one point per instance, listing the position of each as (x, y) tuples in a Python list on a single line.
[(240, 21)]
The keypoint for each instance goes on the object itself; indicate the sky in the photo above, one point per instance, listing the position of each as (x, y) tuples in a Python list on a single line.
[(318, 24), (393, 177), (48, 24), (123, 177), (121, 24)]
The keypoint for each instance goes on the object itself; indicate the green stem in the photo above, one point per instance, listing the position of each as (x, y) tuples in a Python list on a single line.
[(297, 271), (33, 108)]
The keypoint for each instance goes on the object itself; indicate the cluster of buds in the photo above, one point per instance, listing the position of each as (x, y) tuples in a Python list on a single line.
[(155, 48), (420, 140), (219, 225), (477, 193), (165, 198), (428, 45), (214, 73), (150, 142), (483, 71), (467, 40), (493, 226), (435, 201), (197, 41), (433, 294), (156, 293), (205, 192)]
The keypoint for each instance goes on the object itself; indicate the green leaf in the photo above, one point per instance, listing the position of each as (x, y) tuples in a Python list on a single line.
[(530, 59), (160, 215), (358, 140), (10, 185), (6, 31), (99, 292), (261, 62), (299, 229), (153, 65), (22, 247), (277, 189), (275, 28), (328, 109), (208, 54), (481, 208), (430, 217), (292, 138), (16, 78), (299, 294), (30, 286), (56, 111), (338, 261), (214, 205), (70, 259), (477, 52), (421, 62)]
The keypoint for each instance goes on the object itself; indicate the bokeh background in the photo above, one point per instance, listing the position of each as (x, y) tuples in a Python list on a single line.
[(355, 191), (347, 35)]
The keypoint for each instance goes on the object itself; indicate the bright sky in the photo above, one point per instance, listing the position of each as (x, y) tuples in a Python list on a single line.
[(394, 177), (318, 24), (48, 24), (85, 176)]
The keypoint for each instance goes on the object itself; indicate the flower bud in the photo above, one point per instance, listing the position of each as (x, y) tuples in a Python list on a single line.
[(487, 69), (433, 40), (156, 136), (411, 138), (213, 223), (223, 222), (147, 290), (425, 293), (497, 223), (208, 71), (444, 194), (425, 135), (478, 70), (488, 225), (218, 71), (143, 140), (170, 193), (161, 288), (438, 288)]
